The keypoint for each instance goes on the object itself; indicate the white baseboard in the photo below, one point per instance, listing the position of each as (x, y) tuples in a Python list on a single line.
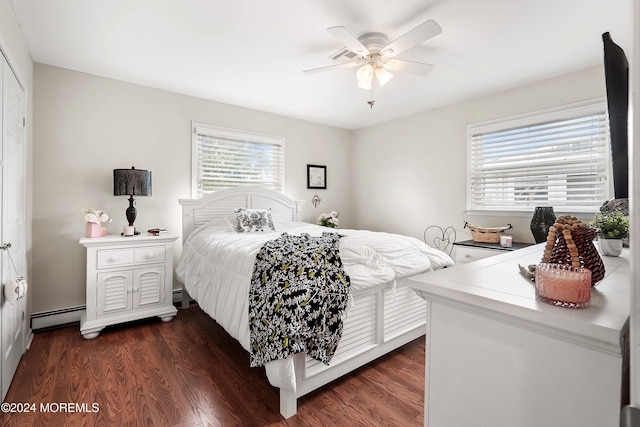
[(51, 318), (29, 340), (65, 316)]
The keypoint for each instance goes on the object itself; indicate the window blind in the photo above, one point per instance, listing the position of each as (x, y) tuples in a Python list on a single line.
[(562, 162), (225, 158)]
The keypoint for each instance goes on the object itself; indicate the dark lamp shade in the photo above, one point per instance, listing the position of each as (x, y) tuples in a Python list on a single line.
[(131, 182)]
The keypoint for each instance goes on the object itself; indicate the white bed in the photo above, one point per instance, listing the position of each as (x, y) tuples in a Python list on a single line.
[(380, 318)]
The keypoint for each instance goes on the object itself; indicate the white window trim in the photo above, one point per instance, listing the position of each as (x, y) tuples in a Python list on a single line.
[(566, 111), (221, 132)]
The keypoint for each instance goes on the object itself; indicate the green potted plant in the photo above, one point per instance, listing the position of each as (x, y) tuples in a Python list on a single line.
[(614, 227)]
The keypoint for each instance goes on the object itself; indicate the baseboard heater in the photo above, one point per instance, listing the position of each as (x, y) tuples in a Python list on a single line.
[(44, 320)]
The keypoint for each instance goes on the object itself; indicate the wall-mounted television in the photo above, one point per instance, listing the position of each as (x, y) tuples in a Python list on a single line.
[(616, 69)]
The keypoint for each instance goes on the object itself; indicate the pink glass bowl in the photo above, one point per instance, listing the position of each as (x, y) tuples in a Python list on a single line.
[(563, 285)]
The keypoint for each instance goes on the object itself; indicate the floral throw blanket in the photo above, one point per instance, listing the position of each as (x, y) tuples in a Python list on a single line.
[(297, 295)]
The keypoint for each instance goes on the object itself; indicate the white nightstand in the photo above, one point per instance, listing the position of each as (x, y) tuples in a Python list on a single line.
[(128, 278), (468, 250)]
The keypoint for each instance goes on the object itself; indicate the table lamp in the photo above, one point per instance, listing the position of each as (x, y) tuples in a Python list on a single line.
[(131, 182)]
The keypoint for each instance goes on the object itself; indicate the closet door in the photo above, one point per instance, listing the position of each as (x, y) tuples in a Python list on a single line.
[(13, 187)]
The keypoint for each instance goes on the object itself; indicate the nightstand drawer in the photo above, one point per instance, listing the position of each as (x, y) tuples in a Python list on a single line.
[(466, 254), (114, 257), (148, 254), (469, 251)]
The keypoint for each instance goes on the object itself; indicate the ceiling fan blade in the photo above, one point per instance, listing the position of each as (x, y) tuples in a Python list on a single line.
[(332, 67), (412, 67), (350, 41), (422, 32)]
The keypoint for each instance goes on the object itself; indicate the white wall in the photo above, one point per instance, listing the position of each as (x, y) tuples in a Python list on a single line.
[(411, 172), (17, 53), (85, 126), (399, 176)]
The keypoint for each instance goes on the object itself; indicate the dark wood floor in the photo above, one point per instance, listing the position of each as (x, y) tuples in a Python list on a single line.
[(189, 372)]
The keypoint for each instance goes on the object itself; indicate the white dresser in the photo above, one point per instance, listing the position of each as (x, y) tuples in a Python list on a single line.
[(495, 356), (128, 278)]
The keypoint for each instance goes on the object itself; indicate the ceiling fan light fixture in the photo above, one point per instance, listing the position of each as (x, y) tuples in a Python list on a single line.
[(365, 76), (373, 53), (365, 72), (365, 84), (383, 76)]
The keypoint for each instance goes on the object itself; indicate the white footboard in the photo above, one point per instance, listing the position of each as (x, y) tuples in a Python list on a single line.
[(380, 321)]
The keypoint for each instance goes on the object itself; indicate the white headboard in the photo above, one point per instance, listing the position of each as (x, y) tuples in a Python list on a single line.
[(222, 203)]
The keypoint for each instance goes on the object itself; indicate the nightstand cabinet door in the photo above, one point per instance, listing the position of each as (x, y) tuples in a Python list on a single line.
[(148, 286), (114, 292), (128, 278)]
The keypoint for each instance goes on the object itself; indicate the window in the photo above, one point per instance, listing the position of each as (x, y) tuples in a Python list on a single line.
[(557, 157), (224, 158)]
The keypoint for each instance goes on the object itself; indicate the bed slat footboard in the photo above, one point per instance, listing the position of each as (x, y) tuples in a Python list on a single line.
[(375, 325)]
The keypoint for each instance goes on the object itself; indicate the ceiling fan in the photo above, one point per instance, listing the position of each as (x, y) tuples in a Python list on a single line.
[(376, 56)]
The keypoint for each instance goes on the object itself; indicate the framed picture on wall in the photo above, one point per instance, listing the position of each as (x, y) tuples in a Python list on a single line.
[(316, 176)]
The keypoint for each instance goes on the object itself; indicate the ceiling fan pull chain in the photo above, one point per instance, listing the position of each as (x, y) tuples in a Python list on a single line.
[(371, 101)]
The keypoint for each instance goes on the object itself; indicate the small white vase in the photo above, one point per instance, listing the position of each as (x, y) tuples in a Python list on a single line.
[(610, 247)]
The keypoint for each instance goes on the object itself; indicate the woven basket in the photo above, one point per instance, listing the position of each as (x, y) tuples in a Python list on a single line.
[(486, 234), (588, 255)]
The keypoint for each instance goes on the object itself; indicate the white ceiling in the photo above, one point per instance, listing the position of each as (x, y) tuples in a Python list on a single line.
[(252, 53)]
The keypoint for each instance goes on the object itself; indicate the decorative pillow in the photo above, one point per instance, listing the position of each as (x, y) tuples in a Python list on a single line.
[(251, 220)]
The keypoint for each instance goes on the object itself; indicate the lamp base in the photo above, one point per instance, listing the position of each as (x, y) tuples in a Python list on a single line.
[(131, 214), (129, 231)]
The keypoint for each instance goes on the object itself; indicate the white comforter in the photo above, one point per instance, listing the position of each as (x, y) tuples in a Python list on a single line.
[(217, 263)]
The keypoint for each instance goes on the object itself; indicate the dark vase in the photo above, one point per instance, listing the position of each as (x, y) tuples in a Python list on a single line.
[(543, 218)]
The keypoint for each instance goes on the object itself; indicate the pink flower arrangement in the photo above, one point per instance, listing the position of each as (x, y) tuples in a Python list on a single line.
[(96, 216)]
